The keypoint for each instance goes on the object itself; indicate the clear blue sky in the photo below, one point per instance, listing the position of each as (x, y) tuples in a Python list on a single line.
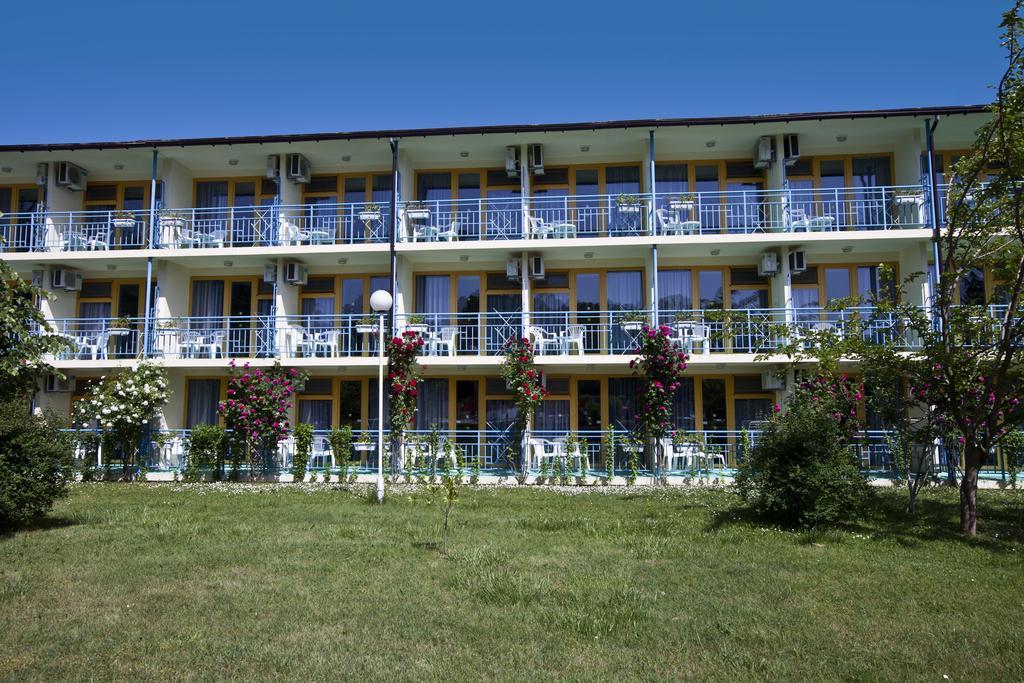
[(124, 69)]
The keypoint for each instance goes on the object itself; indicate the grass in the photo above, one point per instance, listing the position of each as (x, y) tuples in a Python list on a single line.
[(165, 581)]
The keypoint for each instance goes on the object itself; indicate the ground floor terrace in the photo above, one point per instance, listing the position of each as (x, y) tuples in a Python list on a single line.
[(585, 427)]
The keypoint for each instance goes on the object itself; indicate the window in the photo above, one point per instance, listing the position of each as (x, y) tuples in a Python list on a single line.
[(203, 399)]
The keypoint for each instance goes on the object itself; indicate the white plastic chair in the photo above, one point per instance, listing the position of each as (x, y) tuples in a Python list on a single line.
[(540, 229), (542, 449), (450, 234), (692, 335), (327, 341), (445, 341), (801, 221), (670, 225), (574, 337), (541, 339)]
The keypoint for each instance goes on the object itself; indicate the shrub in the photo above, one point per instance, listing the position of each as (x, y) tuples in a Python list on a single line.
[(803, 471), (35, 463), (303, 445), (340, 439), (203, 451)]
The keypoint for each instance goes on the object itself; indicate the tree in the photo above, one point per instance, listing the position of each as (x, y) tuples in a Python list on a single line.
[(256, 412), (527, 383), (122, 405), (963, 377), (26, 337)]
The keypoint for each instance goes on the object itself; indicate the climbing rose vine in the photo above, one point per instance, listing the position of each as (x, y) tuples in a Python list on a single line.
[(660, 365), (257, 407), (404, 374), (522, 376)]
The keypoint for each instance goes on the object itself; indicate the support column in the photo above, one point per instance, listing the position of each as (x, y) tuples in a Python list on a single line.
[(147, 342)]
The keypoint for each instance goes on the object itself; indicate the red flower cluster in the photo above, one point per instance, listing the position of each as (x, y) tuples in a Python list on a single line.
[(404, 377), (258, 403), (521, 375)]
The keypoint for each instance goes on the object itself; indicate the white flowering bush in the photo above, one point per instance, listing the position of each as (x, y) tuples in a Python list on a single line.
[(121, 406)]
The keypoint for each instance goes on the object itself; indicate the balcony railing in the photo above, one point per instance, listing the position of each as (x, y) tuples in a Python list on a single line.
[(100, 338), (704, 453), (215, 337), (74, 231), (329, 336)]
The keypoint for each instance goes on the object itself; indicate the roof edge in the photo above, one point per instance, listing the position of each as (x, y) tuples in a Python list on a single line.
[(497, 129)]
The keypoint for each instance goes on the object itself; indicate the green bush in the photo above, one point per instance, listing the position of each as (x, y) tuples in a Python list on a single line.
[(204, 451), (303, 446), (340, 439), (35, 463), (802, 471)]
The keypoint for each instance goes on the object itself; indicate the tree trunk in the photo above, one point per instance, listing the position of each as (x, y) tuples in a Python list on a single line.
[(974, 455)]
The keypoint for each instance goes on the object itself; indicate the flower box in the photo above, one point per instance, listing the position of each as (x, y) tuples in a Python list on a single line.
[(633, 325), (908, 199), (418, 214), (364, 446), (678, 205), (123, 223), (629, 208), (369, 215), (366, 329), (418, 328)]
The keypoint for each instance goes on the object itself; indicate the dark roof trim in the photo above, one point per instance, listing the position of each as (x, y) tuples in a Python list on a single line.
[(528, 128)]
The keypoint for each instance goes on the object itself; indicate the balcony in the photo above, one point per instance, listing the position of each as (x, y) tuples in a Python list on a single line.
[(74, 231), (100, 338)]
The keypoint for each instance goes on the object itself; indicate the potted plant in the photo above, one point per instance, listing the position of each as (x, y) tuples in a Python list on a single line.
[(367, 325), (166, 332), (683, 202), (416, 323), (417, 210), (628, 203), (633, 321), (908, 196), (364, 443), (370, 212), (124, 220), (172, 220), (119, 326)]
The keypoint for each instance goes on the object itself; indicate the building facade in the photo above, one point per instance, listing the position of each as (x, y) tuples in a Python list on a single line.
[(196, 252)]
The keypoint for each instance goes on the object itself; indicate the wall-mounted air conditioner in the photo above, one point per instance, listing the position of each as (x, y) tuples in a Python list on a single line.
[(764, 152), (295, 273), (536, 265), (768, 265), (70, 176), (537, 159), (514, 269), (74, 281), (770, 381), (270, 273), (59, 278), (37, 277), (791, 148), (797, 262), (512, 161), (298, 168), (58, 385), (273, 165), (42, 173), (55, 384)]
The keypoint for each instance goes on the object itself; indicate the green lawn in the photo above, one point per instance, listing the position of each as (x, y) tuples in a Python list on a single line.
[(157, 582)]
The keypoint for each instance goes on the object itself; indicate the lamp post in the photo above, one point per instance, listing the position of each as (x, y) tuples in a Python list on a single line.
[(380, 302)]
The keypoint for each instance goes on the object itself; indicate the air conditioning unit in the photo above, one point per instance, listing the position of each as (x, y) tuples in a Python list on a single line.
[(74, 281), (270, 273), (791, 148), (536, 265), (298, 168), (70, 176), (514, 269), (59, 278), (295, 273), (764, 152), (42, 174), (58, 385), (273, 165), (797, 262), (512, 161), (37, 278), (768, 265), (537, 159), (770, 381)]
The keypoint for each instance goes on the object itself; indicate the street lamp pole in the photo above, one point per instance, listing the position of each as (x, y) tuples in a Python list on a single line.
[(380, 302)]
